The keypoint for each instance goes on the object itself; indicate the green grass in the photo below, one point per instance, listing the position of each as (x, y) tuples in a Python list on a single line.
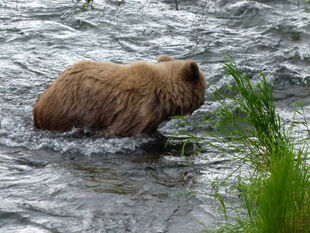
[(256, 131), (283, 202), (276, 196)]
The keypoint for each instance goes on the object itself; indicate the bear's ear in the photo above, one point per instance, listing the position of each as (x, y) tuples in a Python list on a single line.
[(191, 71), (164, 58)]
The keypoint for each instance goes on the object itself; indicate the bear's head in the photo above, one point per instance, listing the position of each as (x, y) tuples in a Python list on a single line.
[(185, 84)]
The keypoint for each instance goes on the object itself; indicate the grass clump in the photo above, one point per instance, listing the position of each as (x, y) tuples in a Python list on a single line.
[(276, 197), (256, 130)]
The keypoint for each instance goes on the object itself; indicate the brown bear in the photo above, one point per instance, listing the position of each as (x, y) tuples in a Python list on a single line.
[(120, 100)]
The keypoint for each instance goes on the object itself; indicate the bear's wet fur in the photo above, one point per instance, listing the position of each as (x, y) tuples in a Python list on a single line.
[(120, 100)]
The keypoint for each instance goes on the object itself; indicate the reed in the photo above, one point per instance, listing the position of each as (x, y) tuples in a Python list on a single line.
[(276, 196)]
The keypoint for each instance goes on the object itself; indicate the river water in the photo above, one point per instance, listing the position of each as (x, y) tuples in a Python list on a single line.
[(72, 183)]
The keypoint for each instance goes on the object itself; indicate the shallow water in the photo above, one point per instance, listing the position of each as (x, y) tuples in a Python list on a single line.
[(71, 183)]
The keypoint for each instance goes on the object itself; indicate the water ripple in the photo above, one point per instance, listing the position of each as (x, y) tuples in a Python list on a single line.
[(73, 182)]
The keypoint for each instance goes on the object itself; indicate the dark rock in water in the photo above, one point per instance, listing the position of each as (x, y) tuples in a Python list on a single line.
[(284, 77)]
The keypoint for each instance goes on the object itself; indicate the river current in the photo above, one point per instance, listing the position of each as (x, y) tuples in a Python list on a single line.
[(68, 182)]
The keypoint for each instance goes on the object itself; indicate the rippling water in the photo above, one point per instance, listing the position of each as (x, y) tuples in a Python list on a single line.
[(71, 183)]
